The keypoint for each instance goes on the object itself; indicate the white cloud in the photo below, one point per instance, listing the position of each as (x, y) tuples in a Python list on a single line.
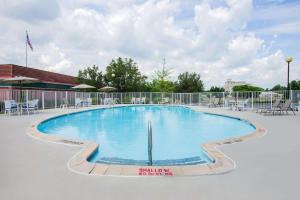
[(55, 59)]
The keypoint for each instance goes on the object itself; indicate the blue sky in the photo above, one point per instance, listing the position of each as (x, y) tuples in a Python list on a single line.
[(220, 39)]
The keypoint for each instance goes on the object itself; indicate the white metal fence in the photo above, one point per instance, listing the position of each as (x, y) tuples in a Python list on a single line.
[(54, 99)]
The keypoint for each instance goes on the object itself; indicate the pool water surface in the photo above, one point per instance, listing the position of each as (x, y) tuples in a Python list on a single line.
[(122, 133)]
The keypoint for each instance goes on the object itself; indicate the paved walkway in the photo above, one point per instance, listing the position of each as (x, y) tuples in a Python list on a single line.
[(267, 168)]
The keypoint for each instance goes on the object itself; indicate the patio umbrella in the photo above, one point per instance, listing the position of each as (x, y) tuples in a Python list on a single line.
[(83, 86), (107, 89), (20, 80)]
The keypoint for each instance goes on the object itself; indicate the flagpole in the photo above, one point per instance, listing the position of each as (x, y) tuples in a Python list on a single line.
[(26, 46)]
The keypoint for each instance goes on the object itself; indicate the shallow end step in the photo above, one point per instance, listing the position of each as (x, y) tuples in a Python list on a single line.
[(121, 161)]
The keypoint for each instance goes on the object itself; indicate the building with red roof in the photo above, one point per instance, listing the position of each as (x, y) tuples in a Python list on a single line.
[(47, 80)]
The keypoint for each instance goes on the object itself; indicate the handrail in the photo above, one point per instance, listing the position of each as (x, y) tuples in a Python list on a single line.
[(149, 143)]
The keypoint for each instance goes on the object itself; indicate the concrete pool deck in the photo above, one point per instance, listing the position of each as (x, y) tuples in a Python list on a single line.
[(267, 167)]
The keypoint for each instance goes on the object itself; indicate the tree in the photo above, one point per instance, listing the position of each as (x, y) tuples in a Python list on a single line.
[(242, 88), (295, 85), (124, 75), (161, 81), (189, 82), (91, 76), (278, 88), (216, 89)]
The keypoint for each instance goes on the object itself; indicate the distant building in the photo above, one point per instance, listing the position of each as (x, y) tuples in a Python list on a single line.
[(47, 80), (229, 84)]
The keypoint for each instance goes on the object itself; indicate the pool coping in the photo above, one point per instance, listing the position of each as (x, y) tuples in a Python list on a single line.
[(79, 162)]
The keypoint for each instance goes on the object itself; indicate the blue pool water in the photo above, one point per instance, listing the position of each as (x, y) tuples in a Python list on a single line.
[(122, 133)]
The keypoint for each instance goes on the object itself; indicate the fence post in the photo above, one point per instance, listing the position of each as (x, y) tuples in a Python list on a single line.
[(271, 100), (66, 95), (8, 96), (190, 98), (96, 98), (55, 100), (252, 100), (43, 100), (223, 93), (27, 98), (180, 98)]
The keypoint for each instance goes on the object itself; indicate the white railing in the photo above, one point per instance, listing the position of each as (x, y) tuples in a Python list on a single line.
[(54, 99)]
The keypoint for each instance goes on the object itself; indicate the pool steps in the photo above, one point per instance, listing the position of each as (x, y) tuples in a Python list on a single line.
[(121, 161)]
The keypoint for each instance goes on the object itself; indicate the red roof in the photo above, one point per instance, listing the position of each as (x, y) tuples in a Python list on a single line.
[(10, 70)]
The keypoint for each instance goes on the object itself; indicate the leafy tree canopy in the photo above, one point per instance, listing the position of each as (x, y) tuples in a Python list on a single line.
[(278, 88), (295, 85), (216, 89), (189, 82), (161, 81), (91, 76), (240, 88), (124, 75)]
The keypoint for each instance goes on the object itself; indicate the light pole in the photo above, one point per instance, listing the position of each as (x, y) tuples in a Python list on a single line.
[(288, 60)]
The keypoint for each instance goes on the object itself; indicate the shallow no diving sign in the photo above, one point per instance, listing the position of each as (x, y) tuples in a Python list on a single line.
[(155, 171)]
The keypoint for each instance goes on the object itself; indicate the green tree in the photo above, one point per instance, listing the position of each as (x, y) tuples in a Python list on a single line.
[(295, 85), (161, 81), (189, 82), (91, 76), (216, 89), (278, 88), (242, 88), (124, 75)]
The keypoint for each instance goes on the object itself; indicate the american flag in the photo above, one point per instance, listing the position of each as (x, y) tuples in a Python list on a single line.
[(28, 42)]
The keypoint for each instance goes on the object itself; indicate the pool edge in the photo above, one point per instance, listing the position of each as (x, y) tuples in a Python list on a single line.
[(79, 162)]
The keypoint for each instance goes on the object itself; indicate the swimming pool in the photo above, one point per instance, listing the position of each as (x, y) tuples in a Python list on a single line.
[(122, 133)]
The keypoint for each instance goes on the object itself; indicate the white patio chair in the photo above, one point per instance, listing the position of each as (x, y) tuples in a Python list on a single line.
[(10, 107), (89, 101), (65, 104), (78, 102), (32, 105), (108, 101), (143, 100), (137, 100), (165, 100), (242, 105), (116, 100), (133, 100)]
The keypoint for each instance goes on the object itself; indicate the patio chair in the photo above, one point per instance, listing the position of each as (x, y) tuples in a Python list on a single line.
[(108, 101), (242, 105), (143, 100), (215, 103), (165, 100), (116, 100), (137, 100), (10, 107), (275, 106), (32, 105), (78, 103), (65, 104), (133, 100), (285, 108), (89, 101)]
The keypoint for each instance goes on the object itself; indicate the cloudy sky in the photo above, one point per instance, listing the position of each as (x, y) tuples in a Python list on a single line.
[(220, 39)]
